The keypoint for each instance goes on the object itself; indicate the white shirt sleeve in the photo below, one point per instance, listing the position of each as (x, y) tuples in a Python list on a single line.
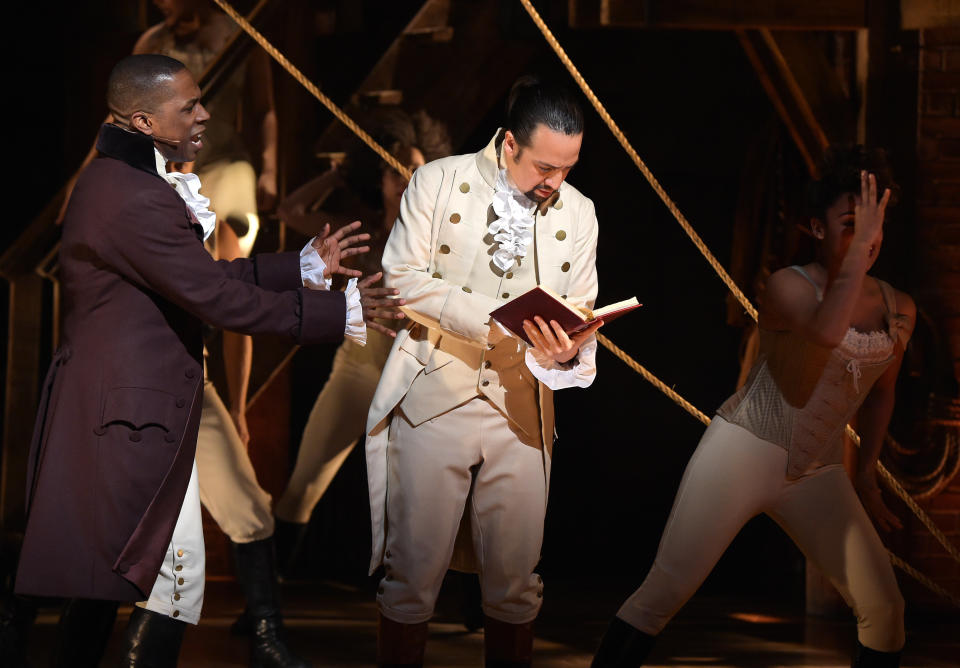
[(312, 268), (558, 376)]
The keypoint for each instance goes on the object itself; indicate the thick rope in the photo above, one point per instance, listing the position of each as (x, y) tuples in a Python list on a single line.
[(647, 174), (633, 364), (312, 89)]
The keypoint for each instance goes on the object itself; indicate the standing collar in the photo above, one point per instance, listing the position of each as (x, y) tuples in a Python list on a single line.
[(488, 162), (132, 147)]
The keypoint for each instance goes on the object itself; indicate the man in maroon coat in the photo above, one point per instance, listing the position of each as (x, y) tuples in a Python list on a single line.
[(116, 432)]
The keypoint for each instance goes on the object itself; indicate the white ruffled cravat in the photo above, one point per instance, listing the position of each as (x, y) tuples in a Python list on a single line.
[(188, 187), (514, 227)]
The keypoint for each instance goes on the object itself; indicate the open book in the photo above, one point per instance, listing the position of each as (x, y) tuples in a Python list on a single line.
[(544, 302)]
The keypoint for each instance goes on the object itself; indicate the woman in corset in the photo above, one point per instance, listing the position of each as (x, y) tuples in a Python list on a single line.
[(831, 342)]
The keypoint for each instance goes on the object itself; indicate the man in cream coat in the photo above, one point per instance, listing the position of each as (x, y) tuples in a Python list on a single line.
[(461, 426)]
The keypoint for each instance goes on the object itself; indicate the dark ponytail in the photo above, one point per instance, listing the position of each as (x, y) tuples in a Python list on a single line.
[(532, 102)]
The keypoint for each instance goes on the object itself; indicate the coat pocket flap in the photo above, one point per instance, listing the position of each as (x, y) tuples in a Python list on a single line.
[(139, 407), (421, 343)]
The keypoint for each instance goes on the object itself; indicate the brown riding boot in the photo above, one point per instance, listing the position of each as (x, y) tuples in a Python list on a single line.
[(400, 645), (507, 645)]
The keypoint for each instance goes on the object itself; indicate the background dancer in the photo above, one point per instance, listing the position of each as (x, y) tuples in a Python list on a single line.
[(832, 339)]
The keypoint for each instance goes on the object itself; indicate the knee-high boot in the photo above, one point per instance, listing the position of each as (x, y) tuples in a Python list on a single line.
[(152, 641), (82, 634), (623, 646), (864, 657), (400, 645), (256, 571), (507, 645)]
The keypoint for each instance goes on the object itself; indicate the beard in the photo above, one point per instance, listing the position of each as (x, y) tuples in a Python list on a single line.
[(533, 195)]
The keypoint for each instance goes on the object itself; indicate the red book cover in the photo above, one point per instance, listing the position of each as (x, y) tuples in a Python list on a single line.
[(548, 305)]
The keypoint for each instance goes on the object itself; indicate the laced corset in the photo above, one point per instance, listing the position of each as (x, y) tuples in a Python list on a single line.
[(800, 396)]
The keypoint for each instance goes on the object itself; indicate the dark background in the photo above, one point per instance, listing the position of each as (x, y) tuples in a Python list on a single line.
[(690, 104)]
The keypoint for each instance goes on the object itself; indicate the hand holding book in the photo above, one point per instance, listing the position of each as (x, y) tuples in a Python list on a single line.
[(550, 307), (551, 341)]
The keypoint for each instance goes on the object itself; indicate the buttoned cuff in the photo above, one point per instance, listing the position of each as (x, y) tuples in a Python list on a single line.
[(312, 268), (356, 329), (561, 376)]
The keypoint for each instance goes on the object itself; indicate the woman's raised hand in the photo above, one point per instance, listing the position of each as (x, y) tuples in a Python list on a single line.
[(869, 212)]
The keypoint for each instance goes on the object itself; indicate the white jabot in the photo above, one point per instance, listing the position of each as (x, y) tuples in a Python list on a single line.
[(188, 187), (513, 229), (312, 268)]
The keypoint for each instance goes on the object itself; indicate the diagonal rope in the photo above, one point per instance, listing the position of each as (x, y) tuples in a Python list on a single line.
[(711, 259), (638, 161), (633, 364), (311, 88)]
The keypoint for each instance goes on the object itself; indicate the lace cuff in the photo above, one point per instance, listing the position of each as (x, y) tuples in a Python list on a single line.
[(312, 267), (356, 329), (561, 376)]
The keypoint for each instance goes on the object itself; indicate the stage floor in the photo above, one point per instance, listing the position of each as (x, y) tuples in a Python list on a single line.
[(332, 624)]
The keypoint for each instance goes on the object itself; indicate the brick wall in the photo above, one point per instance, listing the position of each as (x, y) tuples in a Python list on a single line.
[(938, 289)]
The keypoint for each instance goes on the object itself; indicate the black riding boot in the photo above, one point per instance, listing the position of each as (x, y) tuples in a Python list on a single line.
[(83, 632), (256, 570), (288, 538), (864, 657), (623, 646), (153, 640)]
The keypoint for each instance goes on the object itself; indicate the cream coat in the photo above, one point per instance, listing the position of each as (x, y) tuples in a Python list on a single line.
[(439, 256)]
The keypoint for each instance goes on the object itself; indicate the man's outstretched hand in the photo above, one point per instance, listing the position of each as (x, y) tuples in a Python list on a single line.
[(379, 303), (338, 246)]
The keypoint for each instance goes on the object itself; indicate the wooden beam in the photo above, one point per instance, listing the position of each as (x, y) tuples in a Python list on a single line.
[(720, 14)]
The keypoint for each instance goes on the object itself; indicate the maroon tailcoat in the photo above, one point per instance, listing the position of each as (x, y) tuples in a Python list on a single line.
[(116, 431)]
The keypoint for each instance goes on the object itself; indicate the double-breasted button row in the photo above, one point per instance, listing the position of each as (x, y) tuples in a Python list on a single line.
[(455, 218), (444, 249), (464, 187), (561, 235), (565, 266)]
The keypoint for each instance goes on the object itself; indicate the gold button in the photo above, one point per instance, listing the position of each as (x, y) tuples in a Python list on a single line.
[(176, 613), (485, 383), (455, 218), (506, 295), (563, 296), (179, 553), (487, 364), (558, 205), (179, 580), (466, 289), (464, 187), (444, 249), (509, 274), (179, 567), (561, 235), (176, 597), (565, 266), (436, 274)]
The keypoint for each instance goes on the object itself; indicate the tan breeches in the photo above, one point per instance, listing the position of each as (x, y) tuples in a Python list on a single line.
[(468, 460), (335, 426), (232, 189), (228, 483), (733, 476)]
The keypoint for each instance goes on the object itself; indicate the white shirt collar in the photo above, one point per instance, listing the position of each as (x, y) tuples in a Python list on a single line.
[(188, 187)]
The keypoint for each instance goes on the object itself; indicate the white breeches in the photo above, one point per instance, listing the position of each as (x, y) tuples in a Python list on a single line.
[(178, 590), (733, 476), (228, 484), (470, 459)]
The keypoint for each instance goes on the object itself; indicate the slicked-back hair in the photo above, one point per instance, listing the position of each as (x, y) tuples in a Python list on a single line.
[(532, 102), (140, 82), (840, 175)]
